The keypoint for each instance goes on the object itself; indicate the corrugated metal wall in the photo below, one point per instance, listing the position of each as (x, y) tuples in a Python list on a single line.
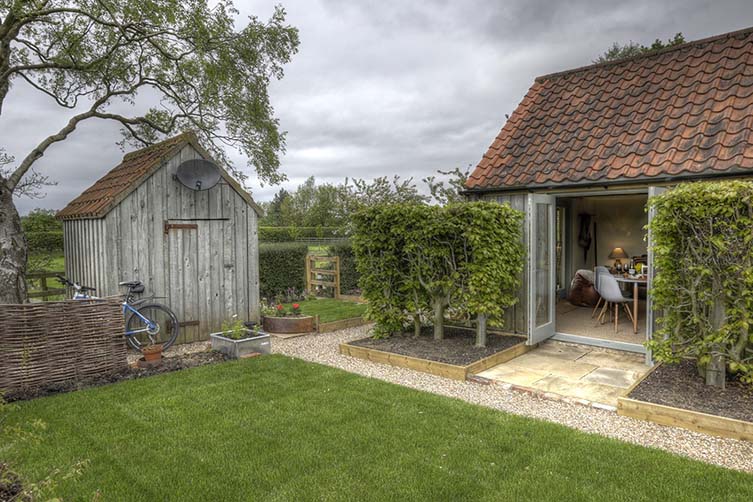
[(207, 271)]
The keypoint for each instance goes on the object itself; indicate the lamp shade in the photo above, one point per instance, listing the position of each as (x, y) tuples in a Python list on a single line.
[(618, 254)]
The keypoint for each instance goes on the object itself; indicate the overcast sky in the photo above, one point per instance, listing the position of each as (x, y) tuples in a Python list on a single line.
[(392, 87)]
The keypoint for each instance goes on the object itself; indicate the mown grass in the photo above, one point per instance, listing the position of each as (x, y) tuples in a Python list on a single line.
[(329, 309), (275, 428)]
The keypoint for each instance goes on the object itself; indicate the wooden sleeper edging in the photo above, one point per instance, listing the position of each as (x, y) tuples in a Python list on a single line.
[(452, 371)]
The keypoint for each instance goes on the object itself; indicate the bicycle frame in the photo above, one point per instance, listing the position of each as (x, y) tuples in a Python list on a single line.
[(149, 324)]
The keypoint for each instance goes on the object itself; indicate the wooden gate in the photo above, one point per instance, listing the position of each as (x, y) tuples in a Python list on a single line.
[(314, 273)]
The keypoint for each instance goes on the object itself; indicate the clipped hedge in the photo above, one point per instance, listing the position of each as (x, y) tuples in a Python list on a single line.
[(281, 266), (348, 272), (703, 292), (51, 241), (288, 234)]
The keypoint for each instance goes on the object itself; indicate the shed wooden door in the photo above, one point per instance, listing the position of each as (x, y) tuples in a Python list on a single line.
[(182, 276), (202, 276)]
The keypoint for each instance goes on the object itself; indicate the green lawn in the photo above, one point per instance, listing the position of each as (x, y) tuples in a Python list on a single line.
[(329, 309), (275, 428)]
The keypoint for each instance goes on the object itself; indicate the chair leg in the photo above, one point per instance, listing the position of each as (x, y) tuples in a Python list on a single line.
[(593, 313), (629, 312), (603, 312), (616, 316)]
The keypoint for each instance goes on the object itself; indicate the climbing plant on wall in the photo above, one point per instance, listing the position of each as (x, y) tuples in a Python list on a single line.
[(703, 246), (416, 259)]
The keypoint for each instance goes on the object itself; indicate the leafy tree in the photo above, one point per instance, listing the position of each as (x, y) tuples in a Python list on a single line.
[(451, 191), (702, 250), (631, 49), (273, 210), (100, 58), (41, 220)]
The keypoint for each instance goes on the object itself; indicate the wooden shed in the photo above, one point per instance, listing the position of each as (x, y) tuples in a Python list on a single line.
[(197, 249)]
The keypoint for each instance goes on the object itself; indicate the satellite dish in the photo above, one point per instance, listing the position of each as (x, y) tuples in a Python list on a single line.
[(198, 174)]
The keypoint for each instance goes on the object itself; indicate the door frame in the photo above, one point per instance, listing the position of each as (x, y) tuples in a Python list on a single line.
[(539, 333), (585, 340)]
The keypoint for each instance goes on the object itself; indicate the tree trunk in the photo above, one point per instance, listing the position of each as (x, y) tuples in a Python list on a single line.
[(716, 369), (481, 330), (416, 325), (439, 306), (12, 250)]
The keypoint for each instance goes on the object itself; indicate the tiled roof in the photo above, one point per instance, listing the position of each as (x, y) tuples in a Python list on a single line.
[(99, 198), (686, 110)]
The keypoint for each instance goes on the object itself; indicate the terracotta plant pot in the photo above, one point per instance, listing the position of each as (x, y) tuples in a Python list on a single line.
[(292, 324), (152, 352)]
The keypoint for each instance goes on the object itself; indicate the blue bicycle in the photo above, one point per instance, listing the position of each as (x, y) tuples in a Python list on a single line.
[(146, 322)]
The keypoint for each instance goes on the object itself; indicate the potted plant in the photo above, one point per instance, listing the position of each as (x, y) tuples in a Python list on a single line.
[(152, 355), (237, 340), (278, 319)]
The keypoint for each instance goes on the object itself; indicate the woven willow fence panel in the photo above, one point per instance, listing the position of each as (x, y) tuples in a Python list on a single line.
[(42, 344)]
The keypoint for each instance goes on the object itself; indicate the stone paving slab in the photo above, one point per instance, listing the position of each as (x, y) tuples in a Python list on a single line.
[(575, 371)]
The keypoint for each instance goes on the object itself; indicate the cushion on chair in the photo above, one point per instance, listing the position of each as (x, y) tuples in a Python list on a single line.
[(582, 292)]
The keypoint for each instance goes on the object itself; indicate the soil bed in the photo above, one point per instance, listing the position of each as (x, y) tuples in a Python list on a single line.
[(679, 385), (456, 347), (170, 363)]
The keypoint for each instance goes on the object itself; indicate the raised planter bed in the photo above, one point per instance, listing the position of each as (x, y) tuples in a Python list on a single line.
[(675, 395), (454, 357), (235, 349), (292, 324)]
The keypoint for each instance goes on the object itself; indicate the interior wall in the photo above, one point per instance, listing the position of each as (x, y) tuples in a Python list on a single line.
[(619, 222)]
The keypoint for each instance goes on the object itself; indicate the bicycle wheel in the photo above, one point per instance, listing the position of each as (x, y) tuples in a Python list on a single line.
[(158, 326)]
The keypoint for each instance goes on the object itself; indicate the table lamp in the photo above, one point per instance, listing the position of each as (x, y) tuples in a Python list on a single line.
[(618, 254)]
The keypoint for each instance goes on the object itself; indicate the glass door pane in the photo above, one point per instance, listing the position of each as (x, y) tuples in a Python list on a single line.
[(544, 287)]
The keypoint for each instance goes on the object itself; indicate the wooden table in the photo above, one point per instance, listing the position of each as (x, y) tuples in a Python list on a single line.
[(636, 281)]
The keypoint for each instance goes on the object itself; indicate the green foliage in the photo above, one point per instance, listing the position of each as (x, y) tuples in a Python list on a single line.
[(703, 251), (631, 49), (288, 234), (49, 242), (235, 329), (44, 232), (41, 220), (415, 259), (281, 266), (329, 205), (348, 269)]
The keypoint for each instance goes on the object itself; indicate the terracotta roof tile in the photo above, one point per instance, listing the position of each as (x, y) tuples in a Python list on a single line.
[(99, 198), (683, 110)]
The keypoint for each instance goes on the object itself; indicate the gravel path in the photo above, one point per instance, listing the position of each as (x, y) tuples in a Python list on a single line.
[(724, 452)]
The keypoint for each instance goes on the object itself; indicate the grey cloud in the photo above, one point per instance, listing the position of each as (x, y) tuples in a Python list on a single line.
[(385, 87)]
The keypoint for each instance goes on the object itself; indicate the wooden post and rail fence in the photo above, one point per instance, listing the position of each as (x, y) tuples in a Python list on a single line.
[(44, 291)]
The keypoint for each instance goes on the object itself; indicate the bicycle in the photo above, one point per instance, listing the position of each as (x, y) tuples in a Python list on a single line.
[(146, 323)]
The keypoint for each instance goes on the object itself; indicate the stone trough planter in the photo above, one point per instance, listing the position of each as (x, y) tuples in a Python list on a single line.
[(291, 324), (235, 349)]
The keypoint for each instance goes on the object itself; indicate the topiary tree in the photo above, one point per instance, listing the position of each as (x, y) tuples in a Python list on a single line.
[(436, 255), (416, 258), (492, 237), (703, 247), (378, 243)]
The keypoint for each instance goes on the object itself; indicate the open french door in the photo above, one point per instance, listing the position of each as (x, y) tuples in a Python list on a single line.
[(650, 314), (540, 216)]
